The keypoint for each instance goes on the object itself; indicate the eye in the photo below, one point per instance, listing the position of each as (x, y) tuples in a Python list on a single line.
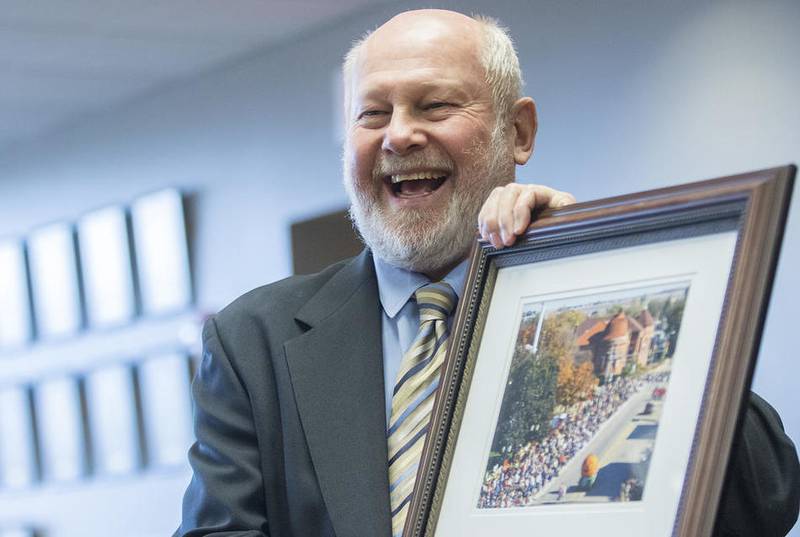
[(436, 105), (371, 113)]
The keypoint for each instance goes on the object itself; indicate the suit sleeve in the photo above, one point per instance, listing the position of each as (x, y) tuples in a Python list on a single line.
[(761, 492), (226, 493)]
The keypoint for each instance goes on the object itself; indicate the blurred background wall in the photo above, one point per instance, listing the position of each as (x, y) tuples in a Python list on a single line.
[(631, 96)]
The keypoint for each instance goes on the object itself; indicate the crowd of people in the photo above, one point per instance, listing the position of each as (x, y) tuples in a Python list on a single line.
[(528, 469)]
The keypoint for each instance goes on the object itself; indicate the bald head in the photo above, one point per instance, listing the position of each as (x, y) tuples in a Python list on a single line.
[(427, 26)]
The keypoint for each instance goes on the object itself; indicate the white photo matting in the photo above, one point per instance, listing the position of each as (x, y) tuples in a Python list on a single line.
[(697, 262)]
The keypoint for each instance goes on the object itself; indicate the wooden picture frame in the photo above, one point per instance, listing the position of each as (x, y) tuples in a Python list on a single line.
[(717, 242)]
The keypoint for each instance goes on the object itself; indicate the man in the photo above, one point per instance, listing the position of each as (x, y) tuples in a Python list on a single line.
[(295, 393)]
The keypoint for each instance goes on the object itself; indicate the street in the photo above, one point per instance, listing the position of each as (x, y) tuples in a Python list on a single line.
[(623, 446)]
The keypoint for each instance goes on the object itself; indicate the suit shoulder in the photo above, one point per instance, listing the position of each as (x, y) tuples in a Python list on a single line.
[(285, 296)]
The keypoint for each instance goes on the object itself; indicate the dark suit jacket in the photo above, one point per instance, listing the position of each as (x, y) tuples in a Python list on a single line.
[(290, 422)]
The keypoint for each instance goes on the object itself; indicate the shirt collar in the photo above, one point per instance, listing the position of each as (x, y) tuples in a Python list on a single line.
[(397, 285)]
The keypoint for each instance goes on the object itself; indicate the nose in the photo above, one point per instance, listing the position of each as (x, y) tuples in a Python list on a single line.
[(403, 134)]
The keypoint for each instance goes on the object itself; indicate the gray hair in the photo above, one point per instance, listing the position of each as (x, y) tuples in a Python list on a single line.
[(498, 57)]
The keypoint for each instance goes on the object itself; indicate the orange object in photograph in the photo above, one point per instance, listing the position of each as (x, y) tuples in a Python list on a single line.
[(590, 466)]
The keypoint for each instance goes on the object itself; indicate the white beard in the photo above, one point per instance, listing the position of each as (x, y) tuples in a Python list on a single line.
[(429, 240)]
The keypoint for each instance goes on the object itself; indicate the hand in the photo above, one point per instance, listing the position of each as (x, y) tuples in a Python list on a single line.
[(507, 212)]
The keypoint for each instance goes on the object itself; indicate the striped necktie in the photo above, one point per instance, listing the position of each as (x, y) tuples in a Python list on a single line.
[(414, 393)]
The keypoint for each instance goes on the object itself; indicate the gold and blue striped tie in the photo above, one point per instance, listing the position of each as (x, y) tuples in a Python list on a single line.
[(414, 394)]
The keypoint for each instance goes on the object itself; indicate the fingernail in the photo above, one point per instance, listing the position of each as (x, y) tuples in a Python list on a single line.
[(496, 242)]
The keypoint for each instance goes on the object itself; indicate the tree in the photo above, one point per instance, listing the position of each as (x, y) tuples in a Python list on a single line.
[(564, 384), (673, 314), (575, 383), (628, 369), (528, 403), (558, 333), (531, 391), (670, 312), (527, 330), (656, 307)]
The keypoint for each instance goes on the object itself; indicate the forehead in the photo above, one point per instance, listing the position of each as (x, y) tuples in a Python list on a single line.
[(423, 53)]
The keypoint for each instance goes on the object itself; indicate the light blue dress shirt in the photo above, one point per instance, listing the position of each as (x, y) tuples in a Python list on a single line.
[(400, 321)]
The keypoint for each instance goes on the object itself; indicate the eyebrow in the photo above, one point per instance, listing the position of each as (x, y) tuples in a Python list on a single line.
[(453, 89)]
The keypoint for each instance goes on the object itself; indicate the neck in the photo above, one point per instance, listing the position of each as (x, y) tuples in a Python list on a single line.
[(439, 273)]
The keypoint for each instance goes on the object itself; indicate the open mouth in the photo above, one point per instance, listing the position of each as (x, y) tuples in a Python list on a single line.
[(418, 184)]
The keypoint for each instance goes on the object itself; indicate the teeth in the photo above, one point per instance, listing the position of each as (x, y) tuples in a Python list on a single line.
[(416, 176)]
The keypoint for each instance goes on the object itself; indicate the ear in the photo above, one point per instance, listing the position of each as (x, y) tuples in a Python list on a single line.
[(525, 123)]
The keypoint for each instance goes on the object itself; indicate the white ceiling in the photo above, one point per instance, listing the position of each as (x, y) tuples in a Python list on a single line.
[(62, 60)]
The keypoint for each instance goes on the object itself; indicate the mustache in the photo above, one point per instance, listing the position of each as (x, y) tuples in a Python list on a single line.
[(394, 165)]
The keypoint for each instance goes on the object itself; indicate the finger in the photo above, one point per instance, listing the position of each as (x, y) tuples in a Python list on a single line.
[(487, 219), (505, 212), (522, 210), (544, 196), (481, 219), (553, 199), (485, 216), (562, 199)]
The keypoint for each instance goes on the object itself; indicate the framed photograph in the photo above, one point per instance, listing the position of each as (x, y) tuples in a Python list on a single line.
[(106, 267), (596, 368), (162, 252)]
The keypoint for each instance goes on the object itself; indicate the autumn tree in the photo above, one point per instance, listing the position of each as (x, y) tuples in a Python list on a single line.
[(527, 330), (558, 337), (531, 391), (575, 383)]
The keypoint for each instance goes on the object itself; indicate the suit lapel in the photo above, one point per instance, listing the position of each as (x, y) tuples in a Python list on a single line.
[(336, 369)]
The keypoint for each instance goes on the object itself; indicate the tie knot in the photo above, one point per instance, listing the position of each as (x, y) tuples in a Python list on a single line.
[(435, 301)]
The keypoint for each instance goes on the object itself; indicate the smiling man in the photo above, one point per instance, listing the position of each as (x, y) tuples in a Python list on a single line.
[(314, 395), (435, 123), (429, 138)]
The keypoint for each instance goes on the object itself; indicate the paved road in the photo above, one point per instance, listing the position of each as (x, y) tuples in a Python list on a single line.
[(622, 444)]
